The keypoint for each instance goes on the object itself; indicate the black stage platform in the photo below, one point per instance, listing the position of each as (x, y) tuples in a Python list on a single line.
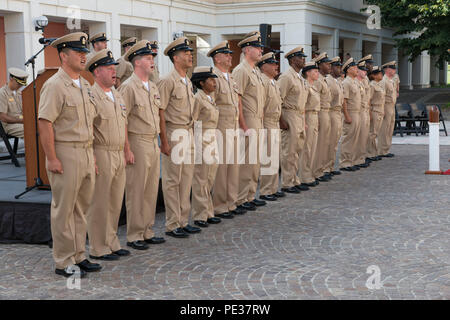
[(27, 220)]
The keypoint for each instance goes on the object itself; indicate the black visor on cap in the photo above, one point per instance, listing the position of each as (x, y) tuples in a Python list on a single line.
[(363, 68), (270, 60), (106, 61), (99, 39), (74, 45), (141, 52), (181, 47), (337, 64), (305, 69), (202, 76), (221, 50), (129, 44), (350, 65), (324, 60), (299, 53)]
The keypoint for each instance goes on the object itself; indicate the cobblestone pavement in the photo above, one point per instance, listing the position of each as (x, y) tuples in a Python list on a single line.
[(316, 245)]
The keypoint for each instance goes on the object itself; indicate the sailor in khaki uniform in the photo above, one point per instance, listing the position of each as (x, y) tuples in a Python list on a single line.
[(109, 139), (226, 184), (387, 127), (292, 122), (154, 76), (376, 104), (99, 42), (66, 115), (251, 90), (337, 100), (124, 68), (11, 102), (142, 101), (323, 139), (311, 72), (268, 188), (352, 119), (206, 115), (177, 108), (364, 117)]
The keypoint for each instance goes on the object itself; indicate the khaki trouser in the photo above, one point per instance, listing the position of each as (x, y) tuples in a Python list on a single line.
[(375, 126), (104, 212), (349, 146), (387, 130), (142, 186), (72, 193), (292, 142), (335, 135), (249, 170), (309, 150), (177, 180), (203, 180), (363, 137), (269, 182), (14, 129), (226, 184), (323, 143)]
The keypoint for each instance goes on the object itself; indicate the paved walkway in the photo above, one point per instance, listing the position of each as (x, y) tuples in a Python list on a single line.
[(316, 245)]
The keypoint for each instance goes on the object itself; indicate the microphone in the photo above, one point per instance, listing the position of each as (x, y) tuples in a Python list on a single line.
[(46, 40)]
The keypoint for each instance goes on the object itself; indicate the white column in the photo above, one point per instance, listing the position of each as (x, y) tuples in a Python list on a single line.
[(294, 35), (421, 71), (114, 35)]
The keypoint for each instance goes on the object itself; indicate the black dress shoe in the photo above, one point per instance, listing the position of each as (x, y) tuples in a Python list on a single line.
[(336, 173), (106, 257), (368, 160), (191, 229), (355, 168), (70, 271), (122, 252), (323, 179), (258, 203), (177, 233), (200, 223), (237, 212), (328, 174), (362, 165), (214, 220), (350, 169), (310, 184), (155, 240), (247, 206), (138, 245), (87, 266), (302, 187), (225, 215), (389, 155), (268, 197), (279, 194), (290, 190)]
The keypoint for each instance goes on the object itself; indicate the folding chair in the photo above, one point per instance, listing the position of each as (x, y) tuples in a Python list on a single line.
[(405, 114), (13, 155), (419, 113)]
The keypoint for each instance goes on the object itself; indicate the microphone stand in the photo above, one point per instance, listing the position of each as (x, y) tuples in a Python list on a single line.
[(38, 181)]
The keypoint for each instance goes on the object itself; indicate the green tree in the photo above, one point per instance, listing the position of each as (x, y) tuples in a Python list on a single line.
[(424, 23)]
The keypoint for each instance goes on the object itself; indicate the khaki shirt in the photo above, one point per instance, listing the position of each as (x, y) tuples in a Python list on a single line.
[(227, 100), (124, 69), (293, 91), (10, 103), (364, 94), (177, 100), (250, 89), (111, 120), (142, 106), (154, 76), (272, 106), (352, 92), (69, 108), (337, 93), (205, 110), (391, 93), (325, 94), (396, 79), (313, 100), (377, 96)]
